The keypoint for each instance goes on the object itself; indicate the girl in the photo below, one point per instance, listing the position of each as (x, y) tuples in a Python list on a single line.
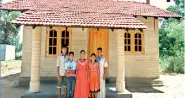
[(82, 82), (94, 76)]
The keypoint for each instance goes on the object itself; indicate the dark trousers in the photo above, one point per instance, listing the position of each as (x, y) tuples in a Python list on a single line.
[(70, 86)]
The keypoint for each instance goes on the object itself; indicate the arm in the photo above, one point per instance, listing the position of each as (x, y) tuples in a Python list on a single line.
[(58, 68), (76, 70), (74, 66), (105, 69), (105, 73), (89, 71), (65, 66)]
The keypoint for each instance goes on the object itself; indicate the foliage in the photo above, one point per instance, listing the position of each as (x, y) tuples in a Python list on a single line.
[(18, 56), (171, 39), (8, 31), (172, 64), (178, 7)]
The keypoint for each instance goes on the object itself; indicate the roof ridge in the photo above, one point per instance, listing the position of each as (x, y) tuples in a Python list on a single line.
[(86, 13)]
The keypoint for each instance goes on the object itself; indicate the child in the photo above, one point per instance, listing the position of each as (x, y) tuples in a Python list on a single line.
[(94, 76), (61, 59), (70, 68), (82, 77)]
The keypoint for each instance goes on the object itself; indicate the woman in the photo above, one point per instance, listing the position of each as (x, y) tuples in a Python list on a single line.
[(94, 76), (82, 77)]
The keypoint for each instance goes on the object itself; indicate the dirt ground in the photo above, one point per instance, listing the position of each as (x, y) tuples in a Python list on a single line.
[(174, 85), (10, 67)]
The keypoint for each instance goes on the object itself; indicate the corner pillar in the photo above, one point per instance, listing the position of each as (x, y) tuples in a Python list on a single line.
[(35, 60), (120, 79)]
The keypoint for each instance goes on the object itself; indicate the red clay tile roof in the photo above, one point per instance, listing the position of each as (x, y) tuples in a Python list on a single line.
[(82, 19), (91, 13)]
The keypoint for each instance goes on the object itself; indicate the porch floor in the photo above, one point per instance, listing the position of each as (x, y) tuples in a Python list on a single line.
[(50, 91)]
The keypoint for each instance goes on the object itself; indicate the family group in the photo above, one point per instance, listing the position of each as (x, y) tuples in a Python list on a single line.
[(82, 78)]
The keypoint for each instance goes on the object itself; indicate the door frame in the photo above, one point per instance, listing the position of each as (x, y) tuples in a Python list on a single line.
[(88, 47)]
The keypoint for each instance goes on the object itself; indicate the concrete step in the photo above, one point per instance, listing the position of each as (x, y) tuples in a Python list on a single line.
[(45, 95), (138, 85), (145, 82)]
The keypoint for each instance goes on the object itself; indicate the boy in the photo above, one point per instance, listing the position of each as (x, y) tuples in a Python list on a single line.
[(61, 59), (70, 68), (103, 67)]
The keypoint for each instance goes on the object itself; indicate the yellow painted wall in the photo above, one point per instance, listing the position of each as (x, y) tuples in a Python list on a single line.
[(137, 65)]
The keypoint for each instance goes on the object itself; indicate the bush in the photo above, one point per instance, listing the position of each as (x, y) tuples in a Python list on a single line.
[(18, 56), (172, 64)]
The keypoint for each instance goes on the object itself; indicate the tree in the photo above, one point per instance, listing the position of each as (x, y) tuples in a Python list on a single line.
[(171, 39), (8, 31), (178, 8)]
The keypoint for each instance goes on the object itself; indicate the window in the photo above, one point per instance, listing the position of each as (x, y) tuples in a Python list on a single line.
[(127, 42), (57, 38), (52, 49), (168, 1), (65, 40), (134, 42), (138, 43)]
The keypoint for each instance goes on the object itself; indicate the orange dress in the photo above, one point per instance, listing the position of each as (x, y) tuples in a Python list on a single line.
[(94, 77), (82, 82)]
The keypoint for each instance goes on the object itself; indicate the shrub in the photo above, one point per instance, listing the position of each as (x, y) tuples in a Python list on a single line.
[(172, 64)]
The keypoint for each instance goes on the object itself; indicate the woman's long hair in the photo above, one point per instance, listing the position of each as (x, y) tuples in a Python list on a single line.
[(93, 54)]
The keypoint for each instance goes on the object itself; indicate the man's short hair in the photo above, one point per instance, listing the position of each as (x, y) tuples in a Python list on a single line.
[(71, 52), (99, 48), (82, 51)]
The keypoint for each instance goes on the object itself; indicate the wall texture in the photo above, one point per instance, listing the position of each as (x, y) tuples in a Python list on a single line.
[(145, 65), (136, 65)]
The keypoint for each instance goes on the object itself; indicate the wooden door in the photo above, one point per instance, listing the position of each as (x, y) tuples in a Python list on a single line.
[(98, 38)]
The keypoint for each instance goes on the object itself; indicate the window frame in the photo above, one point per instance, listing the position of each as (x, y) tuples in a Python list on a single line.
[(59, 37), (168, 0), (132, 34), (126, 39), (48, 41)]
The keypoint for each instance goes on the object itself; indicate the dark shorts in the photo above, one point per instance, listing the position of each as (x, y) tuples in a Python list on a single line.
[(62, 82)]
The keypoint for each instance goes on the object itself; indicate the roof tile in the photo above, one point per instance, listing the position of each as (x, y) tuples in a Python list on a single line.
[(95, 13)]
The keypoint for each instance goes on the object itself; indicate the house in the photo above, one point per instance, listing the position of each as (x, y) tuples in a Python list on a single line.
[(126, 30), (163, 4)]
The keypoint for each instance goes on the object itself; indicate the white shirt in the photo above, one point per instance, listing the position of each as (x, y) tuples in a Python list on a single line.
[(61, 60), (102, 64)]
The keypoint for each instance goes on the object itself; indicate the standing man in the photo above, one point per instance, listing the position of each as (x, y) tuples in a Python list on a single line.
[(61, 59), (103, 68)]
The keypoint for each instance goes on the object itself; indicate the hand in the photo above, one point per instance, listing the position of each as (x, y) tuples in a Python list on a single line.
[(104, 77), (59, 78)]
